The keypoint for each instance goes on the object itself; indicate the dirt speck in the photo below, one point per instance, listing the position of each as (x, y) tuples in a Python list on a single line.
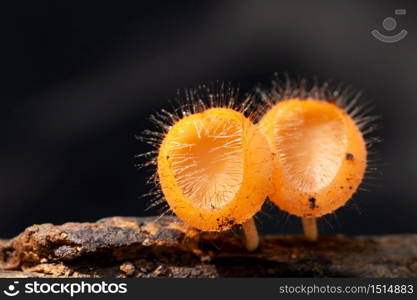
[(350, 156)]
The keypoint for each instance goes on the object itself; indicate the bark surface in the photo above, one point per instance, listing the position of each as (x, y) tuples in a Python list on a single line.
[(147, 247)]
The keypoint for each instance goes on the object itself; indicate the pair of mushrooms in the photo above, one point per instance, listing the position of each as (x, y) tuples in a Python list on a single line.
[(216, 167)]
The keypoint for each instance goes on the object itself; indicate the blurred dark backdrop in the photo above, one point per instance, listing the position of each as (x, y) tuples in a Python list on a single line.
[(79, 80)]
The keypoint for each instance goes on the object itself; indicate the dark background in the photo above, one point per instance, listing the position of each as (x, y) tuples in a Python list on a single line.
[(79, 80)]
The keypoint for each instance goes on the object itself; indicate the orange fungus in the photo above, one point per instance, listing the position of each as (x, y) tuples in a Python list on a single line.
[(214, 168), (319, 159)]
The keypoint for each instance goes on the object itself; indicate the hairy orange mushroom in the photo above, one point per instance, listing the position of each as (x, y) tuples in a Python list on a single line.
[(320, 155), (214, 169)]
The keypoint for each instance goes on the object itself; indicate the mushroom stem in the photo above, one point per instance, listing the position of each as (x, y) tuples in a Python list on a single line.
[(251, 236), (310, 228)]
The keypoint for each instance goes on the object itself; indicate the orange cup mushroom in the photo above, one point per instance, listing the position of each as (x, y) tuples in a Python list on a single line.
[(319, 158), (214, 169)]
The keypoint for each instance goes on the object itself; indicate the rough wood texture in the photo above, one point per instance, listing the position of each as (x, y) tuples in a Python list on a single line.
[(143, 247)]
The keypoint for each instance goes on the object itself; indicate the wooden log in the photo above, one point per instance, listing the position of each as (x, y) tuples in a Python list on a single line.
[(147, 247)]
